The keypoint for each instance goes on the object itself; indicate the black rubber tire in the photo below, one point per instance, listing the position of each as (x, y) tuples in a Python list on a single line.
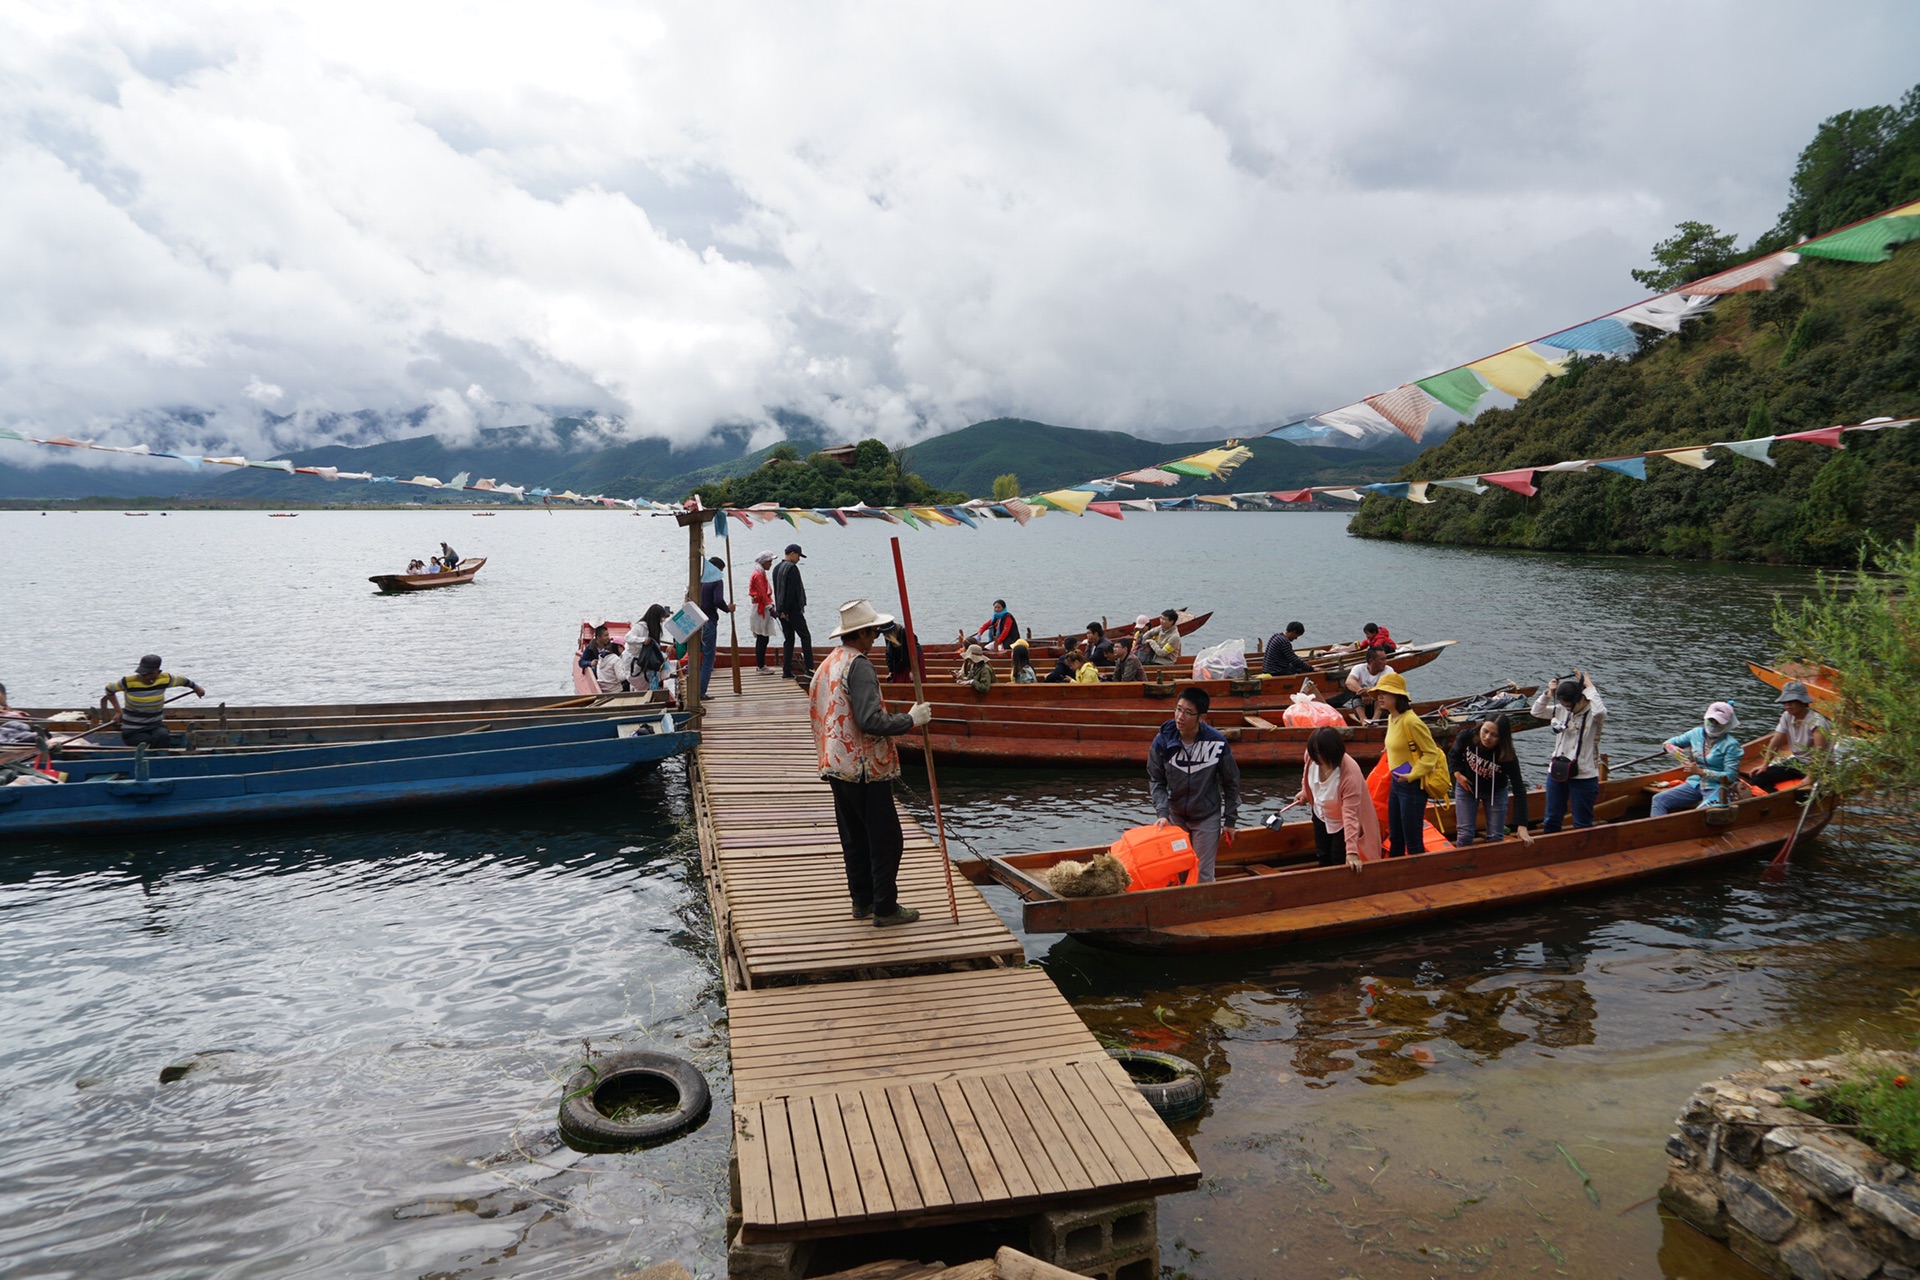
[(584, 1127), (1174, 1087)]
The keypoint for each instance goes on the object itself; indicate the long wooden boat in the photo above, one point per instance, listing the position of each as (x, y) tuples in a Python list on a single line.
[(1261, 901), (1120, 739), (462, 573), (121, 806), (199, 712), (1823, 683), (281, 737)]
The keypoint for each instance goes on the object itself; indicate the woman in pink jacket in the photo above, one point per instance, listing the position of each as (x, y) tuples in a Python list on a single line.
[(1346, 828)]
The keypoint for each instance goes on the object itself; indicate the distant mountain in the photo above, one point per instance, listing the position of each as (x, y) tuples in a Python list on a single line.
[(1049, 457)]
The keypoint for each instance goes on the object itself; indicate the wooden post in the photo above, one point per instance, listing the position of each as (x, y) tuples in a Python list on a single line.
[(696, 522), (733, 619)]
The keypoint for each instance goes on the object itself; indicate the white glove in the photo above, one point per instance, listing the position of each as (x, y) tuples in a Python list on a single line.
[(920, 713)]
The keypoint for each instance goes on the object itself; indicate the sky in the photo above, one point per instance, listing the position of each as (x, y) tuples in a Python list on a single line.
[(898, 219)]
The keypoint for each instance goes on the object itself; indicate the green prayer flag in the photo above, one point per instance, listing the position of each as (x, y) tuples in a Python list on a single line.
[(1185, 469), (1868, 242), (1458, 389)]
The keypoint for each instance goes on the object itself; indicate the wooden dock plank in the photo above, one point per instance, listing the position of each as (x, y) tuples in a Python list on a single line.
[(782, 1173), (919, 1147), (901, 1184), (875, 1189), (946, 1144)]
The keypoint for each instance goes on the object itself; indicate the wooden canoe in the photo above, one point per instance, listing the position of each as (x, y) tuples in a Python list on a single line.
[(1265, 897), (1823, 683), (1119, 740), (427, 581)]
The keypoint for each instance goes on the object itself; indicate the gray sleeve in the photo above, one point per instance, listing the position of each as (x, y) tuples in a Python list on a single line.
[(863, 693), (1157, 780), (1229, 787)]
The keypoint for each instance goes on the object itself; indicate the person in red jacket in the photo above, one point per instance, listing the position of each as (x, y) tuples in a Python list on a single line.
[(761, 621), (999, 631), (1377, 637)]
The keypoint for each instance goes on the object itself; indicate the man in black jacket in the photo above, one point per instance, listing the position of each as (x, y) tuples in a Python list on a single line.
[(790, 605)]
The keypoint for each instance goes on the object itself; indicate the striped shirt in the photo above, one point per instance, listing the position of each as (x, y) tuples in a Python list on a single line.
[(144, 698)]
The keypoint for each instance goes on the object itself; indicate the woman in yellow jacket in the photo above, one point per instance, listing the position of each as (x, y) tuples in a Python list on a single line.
[(1415, 763)]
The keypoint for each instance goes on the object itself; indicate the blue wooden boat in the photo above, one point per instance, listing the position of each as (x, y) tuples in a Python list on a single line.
[(120, 762), (119, 806)]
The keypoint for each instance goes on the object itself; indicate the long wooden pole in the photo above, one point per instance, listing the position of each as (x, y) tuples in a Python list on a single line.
[(733, 625), (926, 732), (690, 682), (1778, 867)]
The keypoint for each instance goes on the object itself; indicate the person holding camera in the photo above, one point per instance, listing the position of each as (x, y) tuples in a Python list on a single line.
[(1573, 771)]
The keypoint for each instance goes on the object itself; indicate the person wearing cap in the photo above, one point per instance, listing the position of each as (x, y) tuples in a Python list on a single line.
[(1801, 734), (976, 669), (713, 603), (1573, 770), (1416, 766), (1194, 779), (854, 733), (1712, 755), (143, 718), (790, 606), (899, 654), (761, 620)]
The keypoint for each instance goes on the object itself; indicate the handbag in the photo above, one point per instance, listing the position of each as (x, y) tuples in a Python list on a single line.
[(1560, 768)]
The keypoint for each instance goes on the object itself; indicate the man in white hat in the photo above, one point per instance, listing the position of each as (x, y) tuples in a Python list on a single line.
[(761, 621), (854, 733)]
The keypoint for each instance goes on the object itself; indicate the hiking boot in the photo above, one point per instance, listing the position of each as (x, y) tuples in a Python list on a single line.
[(863, 911), (899, 915)]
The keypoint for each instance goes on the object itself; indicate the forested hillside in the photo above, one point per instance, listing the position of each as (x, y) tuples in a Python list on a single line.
[(1835, 342)]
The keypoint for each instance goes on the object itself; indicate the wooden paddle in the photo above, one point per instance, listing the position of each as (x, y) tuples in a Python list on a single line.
[(733, 626), (77, 737), (1777, 869), (926, 733)]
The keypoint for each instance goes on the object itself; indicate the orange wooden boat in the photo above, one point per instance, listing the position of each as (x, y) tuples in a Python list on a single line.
[(427, 581), (1823, 683), (1265, 897)]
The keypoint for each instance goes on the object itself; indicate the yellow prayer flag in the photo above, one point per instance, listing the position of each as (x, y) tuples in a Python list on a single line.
[(931, 516), (805, 514), (1518, 370), (1074, 500), (1217, 499), (1215, 462)]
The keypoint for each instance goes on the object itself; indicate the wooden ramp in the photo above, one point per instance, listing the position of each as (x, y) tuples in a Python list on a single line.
[(900, 1077)]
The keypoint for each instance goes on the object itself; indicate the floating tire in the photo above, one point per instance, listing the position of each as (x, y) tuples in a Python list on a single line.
[(1172, 1086), (605, 1087)]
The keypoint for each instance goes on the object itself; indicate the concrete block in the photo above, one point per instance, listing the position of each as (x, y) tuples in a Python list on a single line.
[(767, 1261), (1106, 1236)]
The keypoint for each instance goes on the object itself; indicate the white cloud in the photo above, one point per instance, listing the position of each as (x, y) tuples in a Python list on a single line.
[(891, 217)]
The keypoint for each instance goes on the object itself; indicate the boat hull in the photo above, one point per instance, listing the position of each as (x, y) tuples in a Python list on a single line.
[(391, 582)]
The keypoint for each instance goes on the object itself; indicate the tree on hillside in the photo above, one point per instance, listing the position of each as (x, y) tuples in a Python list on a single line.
[(1858, 163), (878, 477), (1006, 486), (1695, 249)]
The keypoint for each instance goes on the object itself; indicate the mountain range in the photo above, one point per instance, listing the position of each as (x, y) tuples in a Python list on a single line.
[(571, 454)]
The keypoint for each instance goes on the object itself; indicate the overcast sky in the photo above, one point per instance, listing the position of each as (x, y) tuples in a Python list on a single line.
[(895, 217)]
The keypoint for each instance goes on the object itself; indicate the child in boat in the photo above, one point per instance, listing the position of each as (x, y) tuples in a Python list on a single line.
[(1712, 755)]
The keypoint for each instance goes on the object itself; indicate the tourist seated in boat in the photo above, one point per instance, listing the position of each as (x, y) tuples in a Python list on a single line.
[(1194, 779), (1346, 827), (976, 669), (1486, 778), (1082, 668), (597, 647), (1280, 659), (1062, 673), (1358, 699), (1802, 734), (1711, 753), (998, 632), (143, 718), (416, 566), (1377, 637), (1160, 646), (1096, 646), (16, 730), (899, 654), (1126, 665), (1416, 764), (1579, 715), (1023, 672)]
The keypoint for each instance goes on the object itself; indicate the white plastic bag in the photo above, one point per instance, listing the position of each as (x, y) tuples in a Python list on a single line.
[(1224, 661)]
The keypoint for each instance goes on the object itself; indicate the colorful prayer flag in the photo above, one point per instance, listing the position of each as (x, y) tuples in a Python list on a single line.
[(1635, 467), (1518, 370), (1458, 389), (1406, 407), (1520, 481), (1755, 449)]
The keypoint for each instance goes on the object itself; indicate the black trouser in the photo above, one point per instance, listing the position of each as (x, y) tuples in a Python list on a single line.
[(760, 652), (871, 842), (1332, 845), (156, 735), (792, 624), (1773, 775)]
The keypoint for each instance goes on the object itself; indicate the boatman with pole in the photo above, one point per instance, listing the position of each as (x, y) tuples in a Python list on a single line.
[(854, 733), (143, 719)]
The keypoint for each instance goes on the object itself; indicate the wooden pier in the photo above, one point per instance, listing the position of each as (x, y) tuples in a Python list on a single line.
[(888, 1078)]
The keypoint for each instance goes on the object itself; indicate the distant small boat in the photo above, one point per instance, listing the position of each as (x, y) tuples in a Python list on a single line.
[(483, 513), (427, 581), (136, 513), (282, 515)]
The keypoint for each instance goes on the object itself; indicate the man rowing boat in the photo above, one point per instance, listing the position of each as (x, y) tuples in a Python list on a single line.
[(143, 719)]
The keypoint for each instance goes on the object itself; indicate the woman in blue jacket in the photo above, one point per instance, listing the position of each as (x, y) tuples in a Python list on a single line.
[(1712, 755)]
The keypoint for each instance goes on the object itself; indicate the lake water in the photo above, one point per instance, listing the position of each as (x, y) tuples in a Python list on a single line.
[(386, 1008)]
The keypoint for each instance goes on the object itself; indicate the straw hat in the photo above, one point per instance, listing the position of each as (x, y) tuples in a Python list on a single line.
[(976, 654), (858, 615), (1392, 682)]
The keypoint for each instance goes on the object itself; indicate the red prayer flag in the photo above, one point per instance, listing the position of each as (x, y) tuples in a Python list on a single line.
[(1520, 482), (1106, 509), (1298, 495), (1828, 436)]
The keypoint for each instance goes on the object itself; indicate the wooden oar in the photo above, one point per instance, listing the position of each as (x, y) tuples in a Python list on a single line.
[(733, 626), (1651, 755), (1777, 869), (926, 734), (78, 737)]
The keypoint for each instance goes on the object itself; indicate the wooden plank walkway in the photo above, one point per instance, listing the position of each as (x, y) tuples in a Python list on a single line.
[(889, 1078)]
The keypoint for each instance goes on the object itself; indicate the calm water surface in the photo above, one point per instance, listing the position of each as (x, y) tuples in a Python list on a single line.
[(385, 1009)]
